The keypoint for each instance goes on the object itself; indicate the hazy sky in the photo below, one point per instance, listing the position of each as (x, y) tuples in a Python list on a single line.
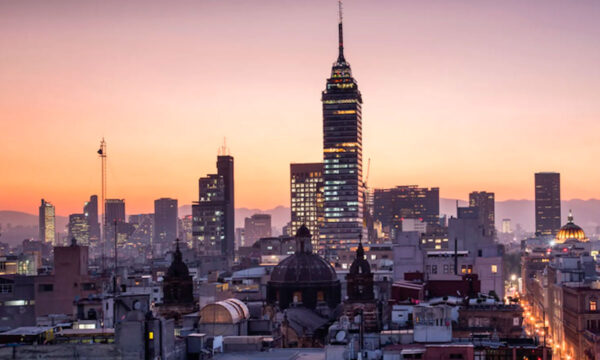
[(464, 95)]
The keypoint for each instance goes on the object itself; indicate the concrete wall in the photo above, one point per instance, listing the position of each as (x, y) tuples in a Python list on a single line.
[(65, 351)]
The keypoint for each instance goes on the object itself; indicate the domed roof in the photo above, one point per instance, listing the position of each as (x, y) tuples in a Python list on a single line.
[(303, 265), (178, 268), (570, 231)]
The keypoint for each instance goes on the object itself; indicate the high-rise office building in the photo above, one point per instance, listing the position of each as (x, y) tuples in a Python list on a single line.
[(142, 226), (306, 188), (185, 231), (547, 203), (114, 210), (392, 206), (506, 226), (79, 229), (213, 214), (256, 227), (90, 210), (342, 157), (165, 224), (485, 202), (47, 224)]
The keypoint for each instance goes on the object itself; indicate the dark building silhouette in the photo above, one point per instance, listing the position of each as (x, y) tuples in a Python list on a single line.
[(304, 278), (547, 203), (256, 227), (165, 223), (360, 292), (485, 202), (213, 220), (178, 287), (342, 157), (393, 205), (360, 278), (90, 209), (114, 210), (306, 194)]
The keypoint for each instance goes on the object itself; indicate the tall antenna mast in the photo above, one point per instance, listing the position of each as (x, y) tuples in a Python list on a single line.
[(223, 150), (340, 34), (102, 154)]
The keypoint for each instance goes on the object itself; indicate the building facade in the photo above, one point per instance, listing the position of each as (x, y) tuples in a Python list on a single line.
[(547, 203), (306, 194), (165, 224), (256, 227), (392, 206), (485, 202), (90, 209), (213, 214), (79, 229), (47, 224), (342, 158)]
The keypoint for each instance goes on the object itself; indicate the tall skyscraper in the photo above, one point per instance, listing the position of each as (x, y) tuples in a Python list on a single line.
[(165, 223), (547, 203), (256, 227), (90, 210), (47, 224), (342, 157), (392, 206), (115, 211), (306, 188), (213, 214), (486, 204), (79, 229), (506, 226)]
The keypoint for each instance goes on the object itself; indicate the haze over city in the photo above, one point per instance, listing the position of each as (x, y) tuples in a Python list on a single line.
[(458, 95)]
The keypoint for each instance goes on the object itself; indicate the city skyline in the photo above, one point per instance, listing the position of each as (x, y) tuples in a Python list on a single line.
[(479, 103)]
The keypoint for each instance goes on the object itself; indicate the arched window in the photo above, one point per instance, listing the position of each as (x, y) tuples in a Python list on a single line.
[(297, 297)]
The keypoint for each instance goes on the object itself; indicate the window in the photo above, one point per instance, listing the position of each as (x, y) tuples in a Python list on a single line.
[(320, 296), (45, 287), (494, 269), (90, 286), (5, 288), (463, 269), (434, 269), (297, 297), (593, 305)]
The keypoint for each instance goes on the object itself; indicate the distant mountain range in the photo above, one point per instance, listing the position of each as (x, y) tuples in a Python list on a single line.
[(16, 226)]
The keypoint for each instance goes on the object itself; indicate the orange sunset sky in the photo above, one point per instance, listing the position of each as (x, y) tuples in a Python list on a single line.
[(464, 95)]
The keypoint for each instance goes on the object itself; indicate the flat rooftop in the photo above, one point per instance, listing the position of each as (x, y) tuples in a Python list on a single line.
[(275, 354)]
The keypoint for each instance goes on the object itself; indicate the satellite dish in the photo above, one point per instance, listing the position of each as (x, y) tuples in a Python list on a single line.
[(340, 336)]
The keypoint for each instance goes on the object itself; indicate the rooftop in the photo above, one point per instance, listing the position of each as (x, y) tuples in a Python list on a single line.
[(276, 354)]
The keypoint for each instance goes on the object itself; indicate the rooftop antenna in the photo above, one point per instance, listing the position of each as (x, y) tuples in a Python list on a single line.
[(340, 34), (223, 150)]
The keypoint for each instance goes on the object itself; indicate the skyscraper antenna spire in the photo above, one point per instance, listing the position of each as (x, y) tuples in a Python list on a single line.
[(341, 34)]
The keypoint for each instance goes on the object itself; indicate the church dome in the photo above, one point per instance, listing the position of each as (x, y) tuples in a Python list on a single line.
[(303, 265), (570, 231)]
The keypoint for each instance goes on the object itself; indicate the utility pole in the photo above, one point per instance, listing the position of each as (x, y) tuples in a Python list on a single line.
[(115, 281), (102, 154), (115, 271)]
